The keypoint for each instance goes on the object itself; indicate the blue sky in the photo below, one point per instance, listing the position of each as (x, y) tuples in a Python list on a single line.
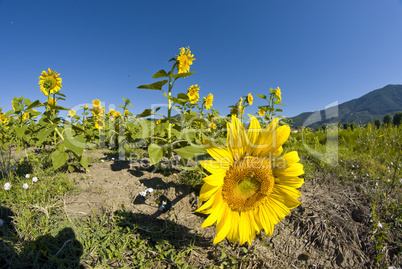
[(317, 52)]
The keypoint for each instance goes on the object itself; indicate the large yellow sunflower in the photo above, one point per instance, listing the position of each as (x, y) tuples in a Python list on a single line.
[(49, 82), (208, 101), (184, 60), (250, 187)]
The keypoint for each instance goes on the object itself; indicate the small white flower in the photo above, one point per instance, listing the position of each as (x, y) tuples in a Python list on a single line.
[(1, 222), (25, 186), (103, 161), (392, 163), (34, 179), (379, 225), (149, 190), (7, 186), (376, 184), (27, 176)]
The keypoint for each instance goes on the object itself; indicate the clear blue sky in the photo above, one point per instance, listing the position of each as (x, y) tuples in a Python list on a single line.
[(317, 52)]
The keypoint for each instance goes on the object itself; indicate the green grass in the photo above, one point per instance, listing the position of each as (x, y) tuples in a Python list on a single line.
[(37, 231)]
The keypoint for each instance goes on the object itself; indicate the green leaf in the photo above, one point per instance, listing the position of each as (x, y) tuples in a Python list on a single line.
[(145, 113), (160, 74), (59, 159), (20, 131), (278, 110), (262, 96), (59, 93), (172, 59), (190, 152), (75, 144), (44, 134), (58, 107), (35, 104), (154, 86), (183, 75), (84, 162), (155, 153)]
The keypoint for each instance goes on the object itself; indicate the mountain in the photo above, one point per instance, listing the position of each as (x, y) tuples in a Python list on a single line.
[(373, 105)]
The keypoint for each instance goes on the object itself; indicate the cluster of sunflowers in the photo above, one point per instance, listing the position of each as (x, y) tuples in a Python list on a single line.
[(251, 185)]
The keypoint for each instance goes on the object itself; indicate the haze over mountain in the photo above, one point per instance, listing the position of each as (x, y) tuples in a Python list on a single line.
[(373, 105)]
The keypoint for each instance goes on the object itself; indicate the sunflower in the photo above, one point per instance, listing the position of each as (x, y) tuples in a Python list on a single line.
[(111, 112), (184, 60), (261, 112), (49, 82), (208, 101), (250, 99), (25, 116), (278, 93), (193, 93), (250, 187), (96, 103), (71, 112), (99, 124)]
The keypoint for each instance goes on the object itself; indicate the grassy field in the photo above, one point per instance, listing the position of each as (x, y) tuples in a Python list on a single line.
[(351, 216)]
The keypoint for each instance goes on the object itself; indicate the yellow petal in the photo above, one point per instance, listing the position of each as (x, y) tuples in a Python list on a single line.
[(213, 216), (224, 225), (286, 195), (213, 166), (277, 210), (244, 228), (236, 140), (221, 155), (277, 139), (265, 219), (233, 234), (215, 179), (207, 207), (294, 182), (294, 170), (286, 160), (207, 191), (253, 133)]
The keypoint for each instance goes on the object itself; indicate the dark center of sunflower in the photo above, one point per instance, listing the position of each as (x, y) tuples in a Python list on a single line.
[(247, 184)]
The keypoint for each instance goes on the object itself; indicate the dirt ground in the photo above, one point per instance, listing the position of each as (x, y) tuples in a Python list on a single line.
[(330, 229)]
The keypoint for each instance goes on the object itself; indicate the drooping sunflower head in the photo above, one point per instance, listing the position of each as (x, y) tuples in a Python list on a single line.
[(96, 103), (193, 94), (49, 82), (250, 99), (251, 187), (184, 60), (261, 112), (208, 101), (71, 112)]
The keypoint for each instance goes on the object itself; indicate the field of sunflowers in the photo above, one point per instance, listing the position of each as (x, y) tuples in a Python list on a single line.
[(90, 188)]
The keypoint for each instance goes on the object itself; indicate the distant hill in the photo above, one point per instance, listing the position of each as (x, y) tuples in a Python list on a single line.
[(373, 105)]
